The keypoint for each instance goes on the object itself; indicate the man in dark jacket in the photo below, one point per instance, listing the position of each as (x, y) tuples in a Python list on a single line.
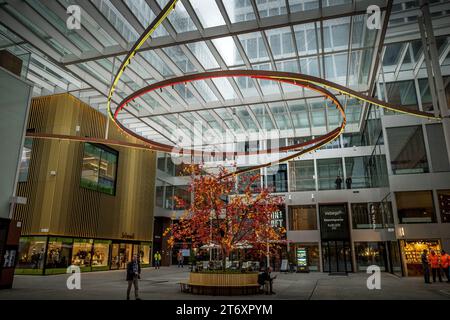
[(133, 276), (425, 266)]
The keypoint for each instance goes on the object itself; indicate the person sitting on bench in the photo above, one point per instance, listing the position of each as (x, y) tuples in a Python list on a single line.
[(266, 281)]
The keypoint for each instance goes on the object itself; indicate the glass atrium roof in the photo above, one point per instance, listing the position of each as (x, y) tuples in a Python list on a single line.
[(324, 38)]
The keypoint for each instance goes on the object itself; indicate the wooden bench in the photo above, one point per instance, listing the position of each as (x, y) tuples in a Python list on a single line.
[(220, 290)]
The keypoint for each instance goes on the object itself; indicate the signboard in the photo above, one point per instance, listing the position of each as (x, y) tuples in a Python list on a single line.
[(284, 265), (279, 217), (302, 258), (186, 252), (444, 205), (334, 222)]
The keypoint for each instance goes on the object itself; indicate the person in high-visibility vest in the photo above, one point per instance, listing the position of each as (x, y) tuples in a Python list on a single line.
[(435, 265), (445, 260), (157, 257)]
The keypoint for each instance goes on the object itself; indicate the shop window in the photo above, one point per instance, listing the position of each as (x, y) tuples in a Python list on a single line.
[(328, 172), (99, 168), (370, 253), (438, 150), (412, 251), (415, 207), (276, 178), (302, 217), (302, 175), (100, 256), (305, 253), (59, 253), (144, 253), (407, 150), (32, 253), (25, 160), (444, 205), (82, 253), (373, 215)]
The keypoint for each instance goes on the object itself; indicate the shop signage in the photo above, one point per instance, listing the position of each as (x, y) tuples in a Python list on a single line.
[(279, 217), (127, 235), (334, 222)]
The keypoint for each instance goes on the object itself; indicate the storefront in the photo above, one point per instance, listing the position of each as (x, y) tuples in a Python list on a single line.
[(305, 256), (412, 251), (371, 253), (52, 255)]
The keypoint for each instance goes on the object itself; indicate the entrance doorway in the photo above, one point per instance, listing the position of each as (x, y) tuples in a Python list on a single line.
[(337, 256)]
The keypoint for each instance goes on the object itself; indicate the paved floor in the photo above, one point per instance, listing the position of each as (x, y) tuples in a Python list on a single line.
[(163, 284)]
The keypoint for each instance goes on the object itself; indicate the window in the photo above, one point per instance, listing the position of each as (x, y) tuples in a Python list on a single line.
[(100, 256), (99, 168), (356, 170), (402, 93), (32, 253), (425, 95), (351, 140), (374, 215), (302, 175), (438, 152), (370, 253), (407, 150), (244, 179), (59, 253), (444, 205), (25, 160), (328, 171), (82, 253), (415, 207), (302, 217), (276, 178)]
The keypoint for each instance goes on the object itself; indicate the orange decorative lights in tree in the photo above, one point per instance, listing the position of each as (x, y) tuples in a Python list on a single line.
[(218, 216)]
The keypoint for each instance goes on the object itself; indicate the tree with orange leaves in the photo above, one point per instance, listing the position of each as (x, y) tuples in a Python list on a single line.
[(218, 215)]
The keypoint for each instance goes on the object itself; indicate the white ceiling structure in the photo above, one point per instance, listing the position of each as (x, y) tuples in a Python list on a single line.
[(324, 38)]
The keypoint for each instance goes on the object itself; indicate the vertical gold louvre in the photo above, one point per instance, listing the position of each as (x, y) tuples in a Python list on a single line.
[(58, 204)]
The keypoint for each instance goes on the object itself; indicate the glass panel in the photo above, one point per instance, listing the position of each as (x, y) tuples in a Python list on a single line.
[(302, 176), (415, 207), (228, 51), (299, 113), (269, 8), (208, 13), (181, 60), (239, 10), (330, 173), (402, 93), (25, 160), (100, 257), (444, 205), (32, 253), (82, 252), (370, 253), (302, 217), (201, 51), (179, 18), (156, 62), (407, 150), (254, 47), (357, 173), (145, 15), (59, 253), (99, 169), (276, 177), (438, 149), (425, 95), (303, 5), (144, 253), (281, 43)]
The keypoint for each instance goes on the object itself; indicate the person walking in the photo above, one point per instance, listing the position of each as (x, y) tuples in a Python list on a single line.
[(157, 257), (338, 182), (435, 266), (133, 276), (180, 259), (445, 260), (425, 266)]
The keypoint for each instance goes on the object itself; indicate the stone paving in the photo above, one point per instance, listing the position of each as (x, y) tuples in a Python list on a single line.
[(163, 284)]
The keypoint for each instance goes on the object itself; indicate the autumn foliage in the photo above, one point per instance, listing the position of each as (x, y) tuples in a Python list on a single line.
[(217, 214)]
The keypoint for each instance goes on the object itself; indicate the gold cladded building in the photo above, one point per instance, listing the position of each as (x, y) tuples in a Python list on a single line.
[(88, 205)]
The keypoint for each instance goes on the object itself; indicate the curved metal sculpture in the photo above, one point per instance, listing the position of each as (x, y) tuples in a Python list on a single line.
[(302, 80)]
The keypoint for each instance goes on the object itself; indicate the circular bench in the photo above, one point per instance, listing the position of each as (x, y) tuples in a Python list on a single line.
[(223, 284)]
